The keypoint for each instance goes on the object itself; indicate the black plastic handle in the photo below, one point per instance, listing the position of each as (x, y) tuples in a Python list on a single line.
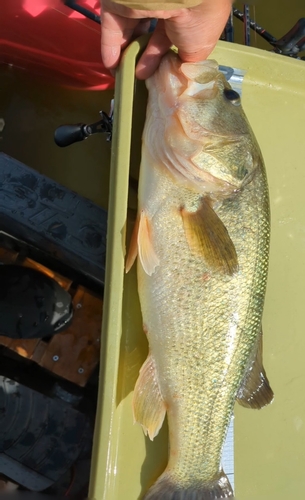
[(65, 135)]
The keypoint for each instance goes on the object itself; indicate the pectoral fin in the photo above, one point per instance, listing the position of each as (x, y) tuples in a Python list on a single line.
[(141, 245), (255, 391), (208, 237), (148, 405)]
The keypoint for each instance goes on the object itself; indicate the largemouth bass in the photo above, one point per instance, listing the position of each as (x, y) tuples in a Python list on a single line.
[(202, 241)]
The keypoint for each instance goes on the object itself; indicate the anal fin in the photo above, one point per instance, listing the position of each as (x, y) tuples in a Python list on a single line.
[(255, 391), (208, 237), (148, 405)]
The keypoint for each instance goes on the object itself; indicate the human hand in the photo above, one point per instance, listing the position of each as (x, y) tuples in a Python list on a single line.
[(195, 32)]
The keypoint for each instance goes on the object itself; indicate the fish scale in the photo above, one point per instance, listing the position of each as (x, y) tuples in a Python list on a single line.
[(202, 312), (178, 349)]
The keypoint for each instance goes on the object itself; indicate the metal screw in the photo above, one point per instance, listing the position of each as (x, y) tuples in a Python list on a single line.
[(55, 358), (80, 370), (78, 306)]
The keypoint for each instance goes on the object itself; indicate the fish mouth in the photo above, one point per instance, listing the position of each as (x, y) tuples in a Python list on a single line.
[(187, 78), (201, 77)]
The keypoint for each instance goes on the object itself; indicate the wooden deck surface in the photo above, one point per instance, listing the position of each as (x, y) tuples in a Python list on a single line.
[(74, 353)]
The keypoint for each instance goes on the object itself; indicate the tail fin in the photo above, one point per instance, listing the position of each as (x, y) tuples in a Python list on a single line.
[(166, 489)]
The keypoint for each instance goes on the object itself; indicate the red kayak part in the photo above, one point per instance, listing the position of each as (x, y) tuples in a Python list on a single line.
[(49, 39)]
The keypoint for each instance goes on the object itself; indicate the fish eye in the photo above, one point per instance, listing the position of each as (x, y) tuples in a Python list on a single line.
[(232, 96)]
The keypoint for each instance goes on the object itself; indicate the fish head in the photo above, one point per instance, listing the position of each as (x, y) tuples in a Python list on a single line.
[(203, 135)]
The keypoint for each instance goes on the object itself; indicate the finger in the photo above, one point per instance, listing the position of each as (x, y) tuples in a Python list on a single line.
[(158, 45), (196, 31), (142, 27), (116, 32)]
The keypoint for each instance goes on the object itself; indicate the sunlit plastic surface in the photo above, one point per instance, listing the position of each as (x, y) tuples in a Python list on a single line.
[(269, 444)]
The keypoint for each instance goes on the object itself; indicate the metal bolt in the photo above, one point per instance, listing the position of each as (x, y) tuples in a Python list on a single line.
[(80, 370), (78, 306), (55, 358)]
